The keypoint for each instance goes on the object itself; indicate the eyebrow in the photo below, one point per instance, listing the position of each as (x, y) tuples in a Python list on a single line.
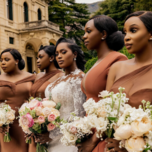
[(133, 25), (87, 28)]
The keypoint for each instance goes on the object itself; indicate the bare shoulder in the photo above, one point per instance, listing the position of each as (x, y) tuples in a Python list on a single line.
[(26, 74), (2, 76), (39, 75), (60, 74)]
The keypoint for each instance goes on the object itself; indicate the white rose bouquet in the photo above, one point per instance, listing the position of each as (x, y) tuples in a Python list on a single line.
[(107, 110), (39, 116), (134, 128), (7, 116), (101, 116)]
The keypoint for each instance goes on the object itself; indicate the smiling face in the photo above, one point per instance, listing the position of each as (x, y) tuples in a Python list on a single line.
[(136, 35), (92, 37), (8, 63), (64, 55), (43, 60)]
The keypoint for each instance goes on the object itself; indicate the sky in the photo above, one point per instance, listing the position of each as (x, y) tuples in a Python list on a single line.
[(87, 1)]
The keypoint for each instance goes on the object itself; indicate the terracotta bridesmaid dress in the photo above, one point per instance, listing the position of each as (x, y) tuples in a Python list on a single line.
[(16, 94), (40, 85), (95, 81), (137, 84)]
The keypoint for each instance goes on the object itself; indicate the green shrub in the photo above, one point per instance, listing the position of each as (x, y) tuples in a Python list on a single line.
[(125, 52)]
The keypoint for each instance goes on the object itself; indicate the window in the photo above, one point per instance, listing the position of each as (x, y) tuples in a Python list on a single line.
[(25, 12), (9, 9), (39, 14), (11, 40)]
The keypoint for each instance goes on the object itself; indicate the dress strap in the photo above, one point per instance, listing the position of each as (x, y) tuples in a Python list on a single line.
[(4, 83), (27, 79)]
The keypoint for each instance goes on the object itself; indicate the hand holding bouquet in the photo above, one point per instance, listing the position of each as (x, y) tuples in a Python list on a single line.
[(39, 117), (134, 128), (7, 116)]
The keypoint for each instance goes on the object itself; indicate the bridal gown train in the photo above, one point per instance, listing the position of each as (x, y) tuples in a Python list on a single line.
[(67, 91)]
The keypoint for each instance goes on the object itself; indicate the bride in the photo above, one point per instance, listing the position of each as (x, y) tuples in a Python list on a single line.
[(66, 89)]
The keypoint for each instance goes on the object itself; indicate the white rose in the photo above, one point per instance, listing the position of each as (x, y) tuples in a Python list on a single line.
[(141, 127), (46, 111), (71, 138), (103, 94), (38, 111), (10, 115), (49, 103), (135, 144), (22, 108), (123, 132), (3, 118)]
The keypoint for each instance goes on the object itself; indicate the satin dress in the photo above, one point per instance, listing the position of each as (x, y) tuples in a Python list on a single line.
[(96, 79), (15, 94)]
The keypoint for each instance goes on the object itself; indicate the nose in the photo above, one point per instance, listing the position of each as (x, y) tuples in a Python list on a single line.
[(85, 36), (3, 62), (38, 60), (127, 37)]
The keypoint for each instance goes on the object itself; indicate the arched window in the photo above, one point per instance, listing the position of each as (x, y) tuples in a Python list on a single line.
[(9, 9), (25, 12), (39, 14)]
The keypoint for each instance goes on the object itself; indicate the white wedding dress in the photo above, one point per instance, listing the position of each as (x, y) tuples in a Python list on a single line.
[(67, 91)]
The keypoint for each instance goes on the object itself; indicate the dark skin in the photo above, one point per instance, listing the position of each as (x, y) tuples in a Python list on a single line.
[(94, 40), (65, 59), (45, 62), (138, 41), (12, 74)]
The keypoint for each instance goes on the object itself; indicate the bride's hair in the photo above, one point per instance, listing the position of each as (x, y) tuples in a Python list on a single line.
[(74, 48)]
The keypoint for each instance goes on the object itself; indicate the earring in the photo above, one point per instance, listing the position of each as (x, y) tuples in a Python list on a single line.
[(16, 63), (50, 60), (75, 59), (102, 38), (151, 38)]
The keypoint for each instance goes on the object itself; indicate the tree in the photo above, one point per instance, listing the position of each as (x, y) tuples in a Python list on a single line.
[(116, 9), (70, 16), (143, 5)]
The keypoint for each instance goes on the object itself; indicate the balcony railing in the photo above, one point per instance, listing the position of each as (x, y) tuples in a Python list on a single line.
[(38, 24)]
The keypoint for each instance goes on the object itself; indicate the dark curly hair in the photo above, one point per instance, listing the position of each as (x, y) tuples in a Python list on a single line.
[(17, 56), (74, 48), (115, 38), (144, 16), (50, 50)]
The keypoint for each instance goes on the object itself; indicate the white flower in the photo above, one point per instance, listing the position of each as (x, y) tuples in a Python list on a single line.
[(3, 118), (46, 111), (22, 108), (10, 115), (103, 94), (48, 103)]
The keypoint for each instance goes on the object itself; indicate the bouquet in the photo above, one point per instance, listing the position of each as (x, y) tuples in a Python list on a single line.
[(101, 116), (134, 128), (39, 116), (7, 116)]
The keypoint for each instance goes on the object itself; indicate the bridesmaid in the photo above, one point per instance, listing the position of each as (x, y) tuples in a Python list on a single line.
[(137, 78), (45, 61), (102, 35), (15, 86)]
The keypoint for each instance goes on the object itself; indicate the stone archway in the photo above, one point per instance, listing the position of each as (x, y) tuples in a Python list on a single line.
[(31, 48), (52, 42)]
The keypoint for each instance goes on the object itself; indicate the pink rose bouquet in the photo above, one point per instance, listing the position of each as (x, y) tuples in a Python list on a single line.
[(7, 116), (38, 117)]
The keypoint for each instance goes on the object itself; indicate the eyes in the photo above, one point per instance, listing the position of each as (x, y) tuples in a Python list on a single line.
[(62, 52), (6, 59), (40, 56), (132, 30)]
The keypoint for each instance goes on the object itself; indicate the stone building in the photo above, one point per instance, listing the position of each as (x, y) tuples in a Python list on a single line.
[(24, 25)]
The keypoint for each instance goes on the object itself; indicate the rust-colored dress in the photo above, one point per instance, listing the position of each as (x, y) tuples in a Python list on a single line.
[(137, 84), (95, 81), (40, 85), (16, 94)]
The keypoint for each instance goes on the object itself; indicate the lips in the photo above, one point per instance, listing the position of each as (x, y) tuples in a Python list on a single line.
[(3, 68), (128, 46), (38, 66), (60, 62), (86, 43)]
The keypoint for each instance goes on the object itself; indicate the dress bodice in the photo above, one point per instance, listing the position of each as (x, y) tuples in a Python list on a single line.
[(137, 85), (96, 78), (67, 91)]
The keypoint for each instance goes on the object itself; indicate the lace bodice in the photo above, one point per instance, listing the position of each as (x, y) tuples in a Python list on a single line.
[(67, 91)]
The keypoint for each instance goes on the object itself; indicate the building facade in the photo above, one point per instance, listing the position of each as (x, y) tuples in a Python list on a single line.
[(24, 26)]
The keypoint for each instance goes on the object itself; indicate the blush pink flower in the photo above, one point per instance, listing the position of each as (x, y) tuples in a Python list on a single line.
[(50, 127), (51, 117), (73, 130), (27, 120), (41, 119), (34, 103)]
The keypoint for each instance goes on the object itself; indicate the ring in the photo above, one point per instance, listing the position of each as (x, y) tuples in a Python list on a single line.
[(113, 149)]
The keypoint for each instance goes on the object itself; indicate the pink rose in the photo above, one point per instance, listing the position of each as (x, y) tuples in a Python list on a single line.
[(41, 119), (27, 120), (73, 130), (50, 127), (51, 117), (34, 103)]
